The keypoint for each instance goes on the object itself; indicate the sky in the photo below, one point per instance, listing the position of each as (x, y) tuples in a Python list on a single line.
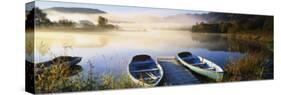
[(116, 9)]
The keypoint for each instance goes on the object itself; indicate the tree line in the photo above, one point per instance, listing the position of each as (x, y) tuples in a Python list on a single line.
[(37, 18), (226, 22)]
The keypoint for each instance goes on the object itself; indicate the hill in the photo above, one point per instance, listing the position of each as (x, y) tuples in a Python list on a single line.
[(75, 10)]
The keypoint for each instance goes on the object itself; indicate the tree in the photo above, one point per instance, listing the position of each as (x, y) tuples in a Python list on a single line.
[(41, 18), (102, 21), (268, 24), (30, 19), (66, 23), (38, 18), (86, 23)]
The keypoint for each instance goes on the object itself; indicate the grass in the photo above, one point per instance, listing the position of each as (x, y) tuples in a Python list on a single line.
[(270, 45), (256, 62), (57, 78), (250, 67)]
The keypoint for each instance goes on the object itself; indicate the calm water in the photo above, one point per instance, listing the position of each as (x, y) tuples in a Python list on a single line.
[(110, 52)]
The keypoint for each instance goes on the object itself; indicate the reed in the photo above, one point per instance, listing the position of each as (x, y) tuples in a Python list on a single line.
[(250, 67), (64, 78)]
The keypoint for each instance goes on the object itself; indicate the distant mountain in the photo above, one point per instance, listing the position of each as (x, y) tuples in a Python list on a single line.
[(75, 10)]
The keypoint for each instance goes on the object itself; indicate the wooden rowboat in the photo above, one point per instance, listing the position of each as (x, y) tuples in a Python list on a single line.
[(67, 60), (201, 65), (145, 71)]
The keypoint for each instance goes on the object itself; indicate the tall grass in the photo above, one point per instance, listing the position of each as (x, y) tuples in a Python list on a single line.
[(250, 67), (254, 65), (56, 79)]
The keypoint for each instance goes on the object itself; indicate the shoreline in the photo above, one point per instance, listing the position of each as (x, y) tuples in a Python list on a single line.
[(260, 37)]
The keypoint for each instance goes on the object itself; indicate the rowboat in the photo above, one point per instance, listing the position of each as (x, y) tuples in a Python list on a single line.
[(67, 60), (201, 65), (145, 71)]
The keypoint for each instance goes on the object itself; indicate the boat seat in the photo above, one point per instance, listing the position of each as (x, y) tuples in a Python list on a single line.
[(191, 59), (143, 62), (187, 58), (145, 70), (210, 68), (196, 64), (148, 78), (152, 76)]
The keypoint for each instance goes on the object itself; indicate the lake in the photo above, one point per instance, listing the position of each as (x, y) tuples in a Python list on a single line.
[(111, 51)]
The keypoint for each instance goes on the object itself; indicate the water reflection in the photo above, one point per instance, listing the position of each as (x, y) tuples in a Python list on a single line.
[(219, 42)]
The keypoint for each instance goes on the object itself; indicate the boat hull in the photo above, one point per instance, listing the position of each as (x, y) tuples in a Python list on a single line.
[(144, 84), (217, 76), (68, 60)]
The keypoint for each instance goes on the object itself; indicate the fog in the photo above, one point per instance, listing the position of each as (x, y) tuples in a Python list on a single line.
[(131, 21)]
